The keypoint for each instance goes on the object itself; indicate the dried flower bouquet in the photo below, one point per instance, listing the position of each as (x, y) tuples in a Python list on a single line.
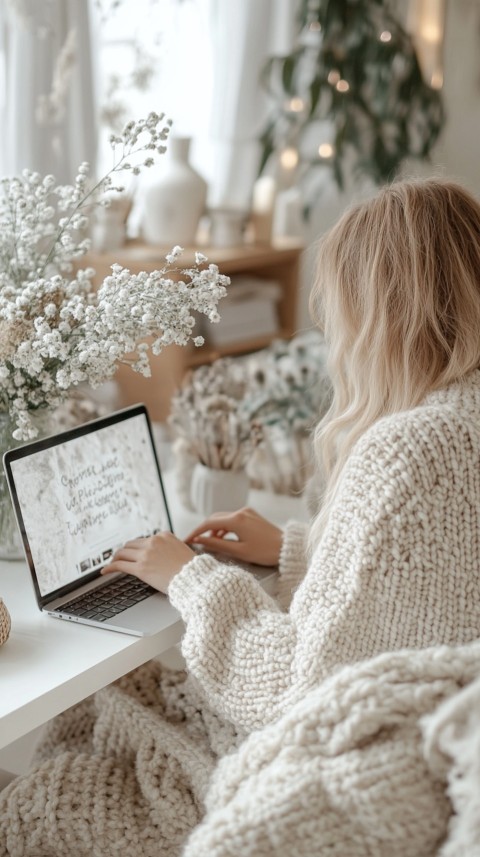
[(256, 413), (205, 413), (289, 391)]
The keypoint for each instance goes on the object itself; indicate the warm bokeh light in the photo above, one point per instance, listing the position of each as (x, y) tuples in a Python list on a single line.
[(333, 76), (343, 86), (426, 23), (430, 32), (296, 104), (289, 158), (386, 36), (325, 150)]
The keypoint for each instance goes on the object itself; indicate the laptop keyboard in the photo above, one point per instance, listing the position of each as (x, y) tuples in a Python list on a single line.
[(108, 600)]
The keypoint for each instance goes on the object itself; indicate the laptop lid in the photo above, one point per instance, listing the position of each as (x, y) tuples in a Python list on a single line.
[(80, 494)]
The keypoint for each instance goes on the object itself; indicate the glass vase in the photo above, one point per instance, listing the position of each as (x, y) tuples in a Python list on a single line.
[(11, 546)]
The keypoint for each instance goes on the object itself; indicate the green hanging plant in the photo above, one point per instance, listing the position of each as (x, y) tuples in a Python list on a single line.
[(349, 97)]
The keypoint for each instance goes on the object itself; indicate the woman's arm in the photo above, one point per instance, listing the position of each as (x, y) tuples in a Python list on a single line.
[(387, 573), (390, 571)]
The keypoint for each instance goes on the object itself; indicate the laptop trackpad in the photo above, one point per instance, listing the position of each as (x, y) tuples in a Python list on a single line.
[(146, 617)]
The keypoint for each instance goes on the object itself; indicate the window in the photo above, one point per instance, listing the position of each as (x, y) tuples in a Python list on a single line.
[(153, 55)]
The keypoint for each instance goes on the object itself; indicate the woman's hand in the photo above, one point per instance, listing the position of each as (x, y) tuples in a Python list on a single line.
[(155, 560), (256, 539)]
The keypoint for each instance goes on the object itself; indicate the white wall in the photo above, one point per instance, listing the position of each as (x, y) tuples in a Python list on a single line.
[(457, 153)]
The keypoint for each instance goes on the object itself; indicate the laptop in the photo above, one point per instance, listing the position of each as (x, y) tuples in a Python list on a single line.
[(78, 496)]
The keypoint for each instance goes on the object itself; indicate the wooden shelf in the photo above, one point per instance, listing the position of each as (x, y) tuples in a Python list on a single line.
[(208, 353), (142, 256)]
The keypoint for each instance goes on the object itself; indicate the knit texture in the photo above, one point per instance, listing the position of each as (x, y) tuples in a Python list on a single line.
[(344, 773), (453, 753), (125, 772), (332, 761), (398, 566)]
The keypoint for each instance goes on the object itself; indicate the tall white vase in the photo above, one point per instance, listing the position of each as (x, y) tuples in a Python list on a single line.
[(175, 202)]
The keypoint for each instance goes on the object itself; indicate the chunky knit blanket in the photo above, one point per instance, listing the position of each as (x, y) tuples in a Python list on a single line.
[(124, 772), (346, 772)]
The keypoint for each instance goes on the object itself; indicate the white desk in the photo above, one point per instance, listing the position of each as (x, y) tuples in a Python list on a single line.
[(47, 665)]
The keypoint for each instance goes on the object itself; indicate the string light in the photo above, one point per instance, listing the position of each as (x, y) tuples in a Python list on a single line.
[(436, 80), (315, 25), (296, 104), (386, 36), (430, 32), (343, 86), (325, 150), (426, 23), (289, 158), (333, 76)]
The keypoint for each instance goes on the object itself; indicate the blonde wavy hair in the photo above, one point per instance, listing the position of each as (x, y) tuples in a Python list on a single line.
[(397, 294)]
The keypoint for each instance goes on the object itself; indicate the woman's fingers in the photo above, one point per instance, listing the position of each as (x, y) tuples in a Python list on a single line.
[(129, 554), (125, 566), (224, 523), (256, 539), (155, 559), (228, 547)]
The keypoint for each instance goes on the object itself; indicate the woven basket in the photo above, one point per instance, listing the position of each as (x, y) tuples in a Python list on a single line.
[(5, 623)]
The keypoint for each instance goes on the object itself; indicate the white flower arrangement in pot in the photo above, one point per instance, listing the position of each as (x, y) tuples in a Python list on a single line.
[(212, 437), (289, 390), (252, 415)]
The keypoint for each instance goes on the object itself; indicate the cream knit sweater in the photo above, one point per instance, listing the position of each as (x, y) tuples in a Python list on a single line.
[(398, 567)]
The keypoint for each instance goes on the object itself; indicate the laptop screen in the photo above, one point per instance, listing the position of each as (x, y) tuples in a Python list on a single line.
[(84, 493)]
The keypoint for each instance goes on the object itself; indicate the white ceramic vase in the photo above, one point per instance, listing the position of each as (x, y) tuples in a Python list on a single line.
[(109, 232), (175, 202), (218, 490)]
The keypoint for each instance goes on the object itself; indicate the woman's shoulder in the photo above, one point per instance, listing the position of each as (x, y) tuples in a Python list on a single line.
[(444, 427), (441, 411)]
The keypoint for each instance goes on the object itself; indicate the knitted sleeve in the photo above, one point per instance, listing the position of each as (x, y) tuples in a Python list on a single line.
[(385, 575), (292, 566), (235, 636)]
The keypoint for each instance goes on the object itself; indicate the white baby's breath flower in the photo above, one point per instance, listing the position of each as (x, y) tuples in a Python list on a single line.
[(175, 252), (50, 310), (56, 331)]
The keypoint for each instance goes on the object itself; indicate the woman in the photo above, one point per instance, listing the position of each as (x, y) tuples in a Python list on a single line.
[(395, 550), (392, 560)]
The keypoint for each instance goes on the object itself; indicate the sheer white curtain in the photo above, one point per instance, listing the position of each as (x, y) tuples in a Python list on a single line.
[(243, 36), (209, 60), (46, 47), (216, 50)]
